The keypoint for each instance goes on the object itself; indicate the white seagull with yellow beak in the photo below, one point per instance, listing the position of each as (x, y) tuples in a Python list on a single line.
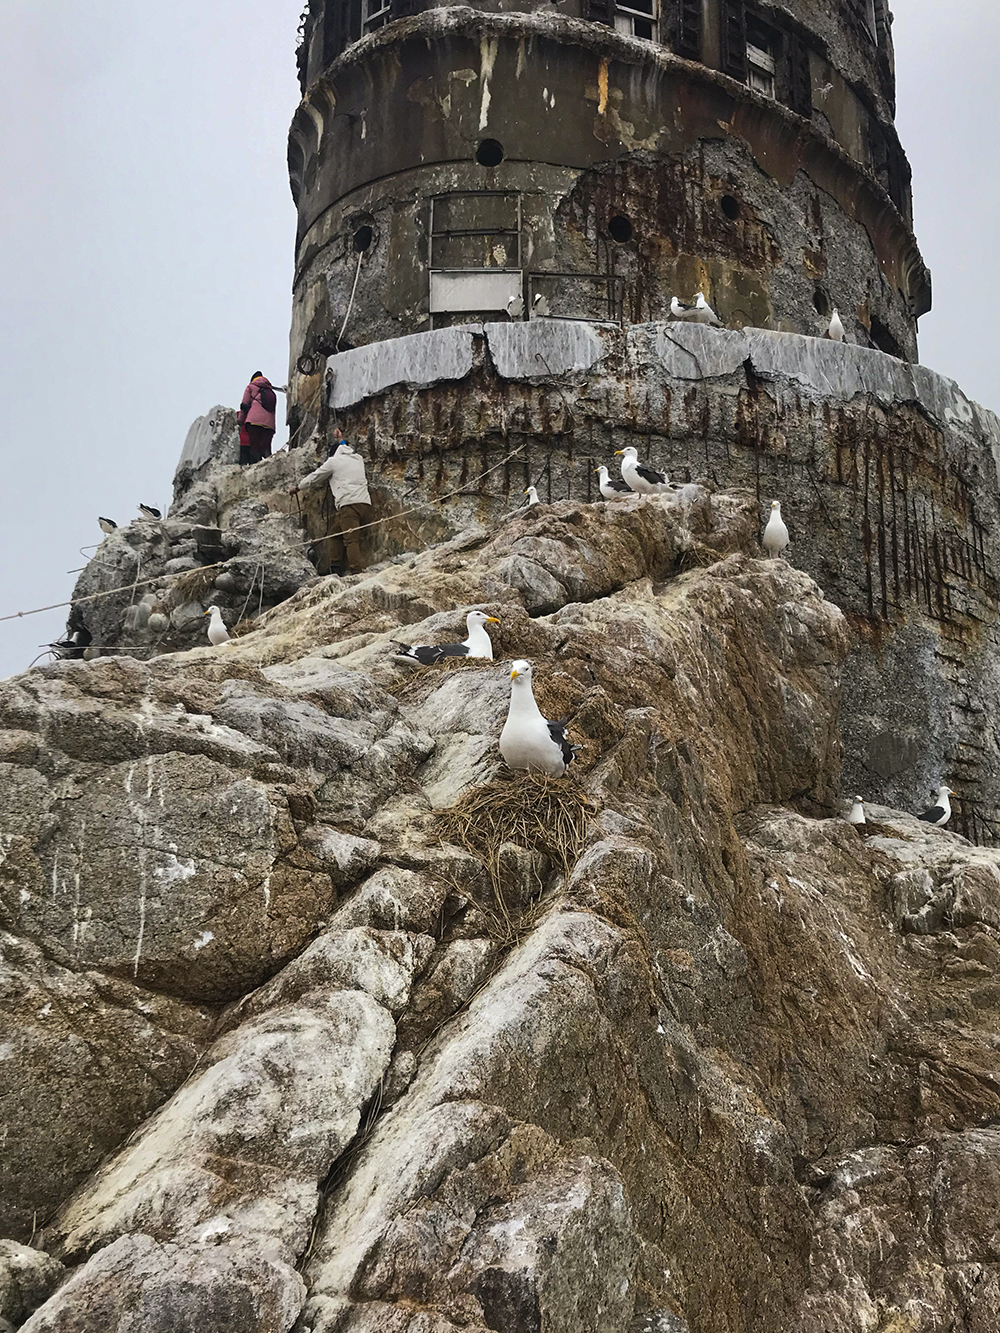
[(528, 741)]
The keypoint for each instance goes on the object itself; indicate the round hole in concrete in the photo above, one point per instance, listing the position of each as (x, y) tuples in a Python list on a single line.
[(730, 205), (363, 238), (620, 229), (822, 302), (489, 153)]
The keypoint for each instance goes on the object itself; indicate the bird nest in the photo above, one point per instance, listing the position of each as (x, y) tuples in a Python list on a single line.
[(547, 815), (193, 584)]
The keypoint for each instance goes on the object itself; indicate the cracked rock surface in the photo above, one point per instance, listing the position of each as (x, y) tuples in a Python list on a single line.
[(277, 1055)]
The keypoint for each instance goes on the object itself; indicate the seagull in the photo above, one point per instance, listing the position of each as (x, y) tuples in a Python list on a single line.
[(611, 487), (645, 480), (478, 643), (775, 537), (515, 307), (147, 511), (74, 645), (532, 495), (680, 310), (107, 525), (539, 306), (217, 632), (704, 314), (939, 813), (857, 815), (528, 741), (836, 329)]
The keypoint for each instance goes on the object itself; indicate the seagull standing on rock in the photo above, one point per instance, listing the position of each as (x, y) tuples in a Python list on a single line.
[(611, 488), (515, 307), (704, 314), (836, 329), (478, 644), (940, 812), (528, 741), (645, 480), (539, 307), (775, 537), (681, 309), (857, 815), (217, 632)]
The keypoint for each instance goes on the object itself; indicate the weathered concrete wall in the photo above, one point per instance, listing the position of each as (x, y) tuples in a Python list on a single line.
[(777, 217), (886, 472)]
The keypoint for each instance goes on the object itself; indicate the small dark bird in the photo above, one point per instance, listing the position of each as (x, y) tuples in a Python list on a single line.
[(147, 511), (107, 525), (940, 812)]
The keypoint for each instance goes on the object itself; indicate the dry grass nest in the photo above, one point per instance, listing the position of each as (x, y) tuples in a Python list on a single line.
[(242, 627), (193, 585), (547, 815)]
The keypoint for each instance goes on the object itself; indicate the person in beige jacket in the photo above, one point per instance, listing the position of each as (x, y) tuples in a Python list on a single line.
[(344, 470)]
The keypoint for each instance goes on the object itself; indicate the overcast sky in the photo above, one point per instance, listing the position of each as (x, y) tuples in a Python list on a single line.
[(146, 234)]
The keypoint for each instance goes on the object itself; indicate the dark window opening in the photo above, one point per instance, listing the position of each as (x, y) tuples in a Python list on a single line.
[(620, 229), (637, 18), (363, 238), (763, 49), (822, 302), (374, 14), (687, 29), (730, 206), (733, 34), (489, 153), (883, 339)]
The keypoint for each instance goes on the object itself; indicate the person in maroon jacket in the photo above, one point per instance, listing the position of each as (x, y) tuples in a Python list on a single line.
[(256, 417)]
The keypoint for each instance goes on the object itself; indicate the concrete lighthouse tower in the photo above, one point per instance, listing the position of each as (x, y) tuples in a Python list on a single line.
[(605, 156), (461, 171)]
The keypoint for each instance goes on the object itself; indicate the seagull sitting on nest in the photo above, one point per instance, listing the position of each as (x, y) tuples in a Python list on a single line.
[(645, 480), (940, 812), (107, 525), (857, 815), (611, 487), (478, 643), (217, 632), (836, 329), (775, 537), (528, 741), (147, 511), (532, 495)]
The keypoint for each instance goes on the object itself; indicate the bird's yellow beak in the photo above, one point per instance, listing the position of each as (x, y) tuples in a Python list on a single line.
[(514, 672), (619, 451), (208, 612), (491, 620)]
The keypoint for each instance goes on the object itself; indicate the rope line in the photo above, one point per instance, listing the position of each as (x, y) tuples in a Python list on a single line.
[(273, 550)]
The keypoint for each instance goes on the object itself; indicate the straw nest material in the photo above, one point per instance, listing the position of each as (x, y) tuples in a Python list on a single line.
[(547, 815), (193, 585)]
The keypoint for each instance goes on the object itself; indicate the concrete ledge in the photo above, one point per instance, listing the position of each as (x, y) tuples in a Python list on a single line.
[(542, 347), (418, 359)]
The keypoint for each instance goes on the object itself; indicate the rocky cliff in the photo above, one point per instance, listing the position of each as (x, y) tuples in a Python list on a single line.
[(315, 1019)]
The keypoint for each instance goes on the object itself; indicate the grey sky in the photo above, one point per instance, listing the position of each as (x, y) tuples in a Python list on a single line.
[(146, 233)]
